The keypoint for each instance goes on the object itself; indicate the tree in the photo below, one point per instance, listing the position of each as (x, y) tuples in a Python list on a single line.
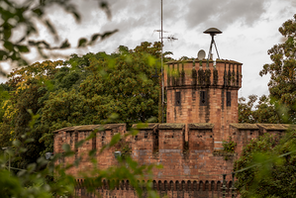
[(263, 112), (268, 166), (282, 84), (26, 86)]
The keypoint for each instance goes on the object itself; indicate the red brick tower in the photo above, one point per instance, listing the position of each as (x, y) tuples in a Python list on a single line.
[(197, 93)]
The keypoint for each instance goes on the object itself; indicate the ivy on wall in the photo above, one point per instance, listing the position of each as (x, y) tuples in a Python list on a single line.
[(207, 77), (194, 76), (215, 73), (201, 78)]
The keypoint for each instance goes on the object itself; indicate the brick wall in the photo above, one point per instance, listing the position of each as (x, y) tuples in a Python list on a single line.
[(192, 162)]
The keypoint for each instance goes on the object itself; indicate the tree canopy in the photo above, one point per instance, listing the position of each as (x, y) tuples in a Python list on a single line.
[(264, 111), (282, 70)]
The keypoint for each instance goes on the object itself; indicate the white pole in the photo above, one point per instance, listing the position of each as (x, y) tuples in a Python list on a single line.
[(162, 73)]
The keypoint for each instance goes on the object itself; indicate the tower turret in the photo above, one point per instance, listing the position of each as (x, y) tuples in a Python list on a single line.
[(201, 91)]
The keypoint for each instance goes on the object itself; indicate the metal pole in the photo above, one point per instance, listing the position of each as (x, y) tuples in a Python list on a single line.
[(216, 50), (210, 51), (162, 73)]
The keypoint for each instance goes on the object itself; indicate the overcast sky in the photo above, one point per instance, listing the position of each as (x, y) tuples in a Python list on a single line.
[(250, 28)]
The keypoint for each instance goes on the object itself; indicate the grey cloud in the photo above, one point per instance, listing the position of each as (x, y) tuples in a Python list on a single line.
[(223, 13), (135, 14)]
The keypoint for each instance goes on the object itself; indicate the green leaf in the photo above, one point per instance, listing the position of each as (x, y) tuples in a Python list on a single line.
[(108, 34), (105, 6), (51, 28), (79, 144), (82, 42), (9, 46), (23, 48), (92, 153), (3, 55), (114, 139), (65, 44), (7, 31), (29, 140), (77, 161), (16, 143), (31, 167), (95, 37), (38, 11), (66, 147)]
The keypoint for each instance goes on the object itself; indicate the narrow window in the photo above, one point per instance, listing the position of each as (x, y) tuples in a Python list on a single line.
[(203, 98), (178, 98), (228, 99)]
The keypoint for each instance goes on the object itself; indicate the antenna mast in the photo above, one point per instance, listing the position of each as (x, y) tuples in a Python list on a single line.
[(162, 67), (161, 62)]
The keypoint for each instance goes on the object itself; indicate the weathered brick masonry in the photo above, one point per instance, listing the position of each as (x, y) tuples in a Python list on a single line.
[(202, 111)]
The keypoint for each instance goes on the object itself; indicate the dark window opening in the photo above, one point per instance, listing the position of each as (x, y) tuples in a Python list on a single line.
[(155, 141), (146, 135), (178, 98), (203, 98), (228, 99), (103, 138)]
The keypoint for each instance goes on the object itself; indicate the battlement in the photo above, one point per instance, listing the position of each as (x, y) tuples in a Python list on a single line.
[(203, 74), (190, 158)]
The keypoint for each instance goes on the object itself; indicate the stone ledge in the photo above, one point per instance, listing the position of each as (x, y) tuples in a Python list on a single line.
[(145, 127), (171, 126), (276, 127), (246, 126), (204, 61), (90, 127), (200, 126)]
